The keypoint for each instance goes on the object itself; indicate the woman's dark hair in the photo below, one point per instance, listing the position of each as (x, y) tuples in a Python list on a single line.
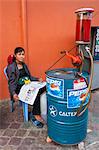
[(18, 49)]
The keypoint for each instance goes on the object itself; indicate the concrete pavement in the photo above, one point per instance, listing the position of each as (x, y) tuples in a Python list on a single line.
[(17, 135)]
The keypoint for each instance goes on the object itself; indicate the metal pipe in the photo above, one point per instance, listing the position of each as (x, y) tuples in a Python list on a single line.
[(82, 56)]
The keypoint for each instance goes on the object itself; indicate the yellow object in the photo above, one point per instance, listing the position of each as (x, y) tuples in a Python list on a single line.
[(27, 81)]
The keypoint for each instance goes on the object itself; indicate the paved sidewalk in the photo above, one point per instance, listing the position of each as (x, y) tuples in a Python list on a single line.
[(17, 135)]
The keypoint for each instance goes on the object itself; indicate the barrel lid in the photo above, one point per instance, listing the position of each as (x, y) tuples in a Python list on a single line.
[(65, 73), (62, 73), (83, 10)]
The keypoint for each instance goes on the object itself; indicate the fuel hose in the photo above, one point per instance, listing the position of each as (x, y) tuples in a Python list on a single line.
[(79, 110)]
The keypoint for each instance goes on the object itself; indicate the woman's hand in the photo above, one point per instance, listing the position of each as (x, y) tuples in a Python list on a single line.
[(15, 97), (40, 80)]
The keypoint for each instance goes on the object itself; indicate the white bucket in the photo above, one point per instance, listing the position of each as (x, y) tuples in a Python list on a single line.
[(43, 105)]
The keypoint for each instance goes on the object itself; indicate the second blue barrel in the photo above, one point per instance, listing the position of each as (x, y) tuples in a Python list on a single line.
[(65, 89)]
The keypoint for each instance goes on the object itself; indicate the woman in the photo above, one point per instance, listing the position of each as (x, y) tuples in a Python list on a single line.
[(16, 71)]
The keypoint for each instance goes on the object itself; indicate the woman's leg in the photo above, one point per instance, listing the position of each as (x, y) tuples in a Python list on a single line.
[(36, 106)]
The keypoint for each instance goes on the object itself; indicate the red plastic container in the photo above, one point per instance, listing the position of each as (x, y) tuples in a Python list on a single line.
[(83, 25)]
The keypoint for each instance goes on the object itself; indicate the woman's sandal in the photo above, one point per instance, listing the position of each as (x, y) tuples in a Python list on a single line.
[(37, 123)]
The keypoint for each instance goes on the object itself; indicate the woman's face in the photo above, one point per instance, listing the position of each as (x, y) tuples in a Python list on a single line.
[(20, 57)]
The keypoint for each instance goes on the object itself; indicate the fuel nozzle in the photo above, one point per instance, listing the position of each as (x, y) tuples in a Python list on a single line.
[(76, 60)]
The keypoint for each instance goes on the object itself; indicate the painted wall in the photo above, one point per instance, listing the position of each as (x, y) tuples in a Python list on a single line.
[(43, 28)]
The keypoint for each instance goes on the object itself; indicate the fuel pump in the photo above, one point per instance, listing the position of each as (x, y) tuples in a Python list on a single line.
[(69, 89), (83, 33), (83, 37)]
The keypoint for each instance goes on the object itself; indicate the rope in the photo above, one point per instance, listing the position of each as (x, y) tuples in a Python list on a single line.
[(62, 52)]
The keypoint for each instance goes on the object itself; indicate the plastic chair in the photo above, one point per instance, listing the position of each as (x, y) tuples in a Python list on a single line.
[(24, 105), (11, 101)]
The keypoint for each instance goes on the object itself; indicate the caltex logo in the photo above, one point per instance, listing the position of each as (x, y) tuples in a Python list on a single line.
[(53, 110)]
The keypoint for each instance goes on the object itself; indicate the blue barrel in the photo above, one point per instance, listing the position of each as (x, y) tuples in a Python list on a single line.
[(64, 90)]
